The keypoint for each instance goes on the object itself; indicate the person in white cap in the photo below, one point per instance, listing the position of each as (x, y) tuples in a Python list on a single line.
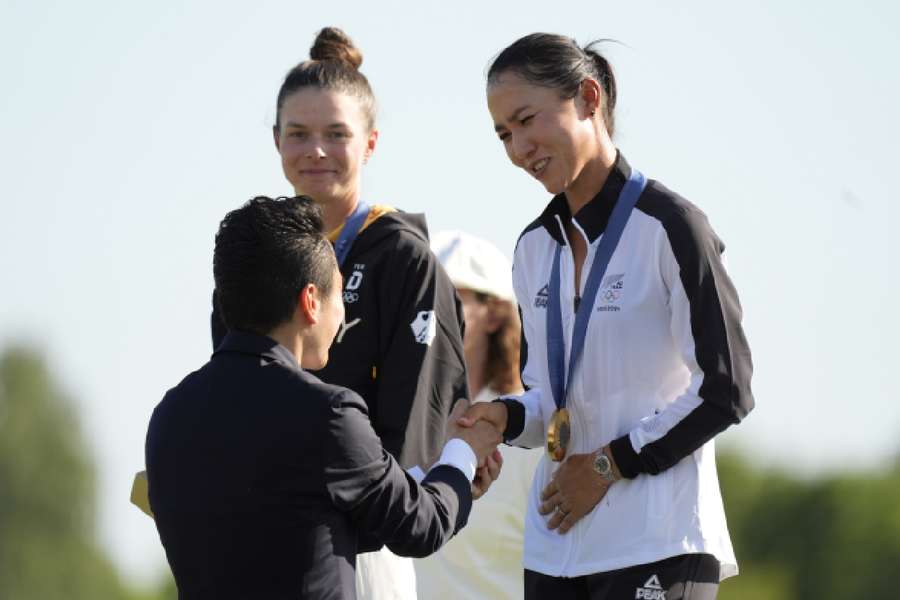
[(485, 560)]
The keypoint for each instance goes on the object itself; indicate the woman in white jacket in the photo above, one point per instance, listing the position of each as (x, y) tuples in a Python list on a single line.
[(635, 354)]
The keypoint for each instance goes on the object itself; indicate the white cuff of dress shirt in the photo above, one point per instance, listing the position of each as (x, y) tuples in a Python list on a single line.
[(457, 453)]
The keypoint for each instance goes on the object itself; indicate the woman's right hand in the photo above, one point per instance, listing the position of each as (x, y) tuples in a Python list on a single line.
[(494, 413)]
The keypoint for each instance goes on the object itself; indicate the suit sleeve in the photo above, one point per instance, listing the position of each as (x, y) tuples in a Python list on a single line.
[(705, 324), (421, 370), (385, 503)]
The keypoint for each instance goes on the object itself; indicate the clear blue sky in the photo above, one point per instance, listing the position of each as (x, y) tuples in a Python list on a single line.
[(127, 130)]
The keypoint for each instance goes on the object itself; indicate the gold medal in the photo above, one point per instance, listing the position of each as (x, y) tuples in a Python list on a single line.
[(558, 434)]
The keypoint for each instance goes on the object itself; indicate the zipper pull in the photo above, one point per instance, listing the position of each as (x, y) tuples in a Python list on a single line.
[(577, 302)]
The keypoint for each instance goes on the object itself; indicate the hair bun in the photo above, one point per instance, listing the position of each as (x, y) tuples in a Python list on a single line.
[(333, 44)]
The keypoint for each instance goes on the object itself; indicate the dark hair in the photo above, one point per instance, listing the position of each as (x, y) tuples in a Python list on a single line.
[(266, 252), (557, 61), (333, 65)]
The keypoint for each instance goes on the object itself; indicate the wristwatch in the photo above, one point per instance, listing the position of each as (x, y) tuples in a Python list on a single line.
[(603, 466)]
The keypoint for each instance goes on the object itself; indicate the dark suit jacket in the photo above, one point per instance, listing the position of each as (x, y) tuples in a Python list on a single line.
[(266, 482)]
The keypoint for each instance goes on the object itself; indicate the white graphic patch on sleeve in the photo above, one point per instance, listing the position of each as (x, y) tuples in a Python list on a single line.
[(424, 327)]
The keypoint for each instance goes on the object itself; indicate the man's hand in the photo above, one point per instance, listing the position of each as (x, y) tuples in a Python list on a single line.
[(490, 470), (574, 491), (482, 437), (494, 413)]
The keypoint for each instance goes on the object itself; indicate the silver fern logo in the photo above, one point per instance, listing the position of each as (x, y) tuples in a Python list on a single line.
[(611, 289)]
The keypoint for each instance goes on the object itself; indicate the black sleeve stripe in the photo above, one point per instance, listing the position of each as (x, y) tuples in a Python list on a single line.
[(523, 352), (698, 427), (627, 460), (515, 418), (721, 348)]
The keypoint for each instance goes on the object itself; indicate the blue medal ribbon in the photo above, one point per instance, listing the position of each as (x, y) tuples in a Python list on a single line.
[(556, 354), (348, 234)]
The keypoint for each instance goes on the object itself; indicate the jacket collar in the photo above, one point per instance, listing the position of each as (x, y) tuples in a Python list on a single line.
[(242, 342), (594, 215)]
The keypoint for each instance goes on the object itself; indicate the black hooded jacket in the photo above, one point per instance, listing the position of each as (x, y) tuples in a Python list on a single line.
[(400, 346)]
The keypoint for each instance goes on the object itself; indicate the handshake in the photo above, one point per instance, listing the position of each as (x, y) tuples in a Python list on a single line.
[(481, 426)]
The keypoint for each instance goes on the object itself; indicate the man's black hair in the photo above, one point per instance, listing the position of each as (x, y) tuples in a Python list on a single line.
[(266, 252)]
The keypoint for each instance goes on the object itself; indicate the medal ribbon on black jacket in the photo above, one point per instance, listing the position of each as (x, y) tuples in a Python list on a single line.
[(352, 227)]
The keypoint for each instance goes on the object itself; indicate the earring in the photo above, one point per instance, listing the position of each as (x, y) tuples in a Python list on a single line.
[(593, 112)]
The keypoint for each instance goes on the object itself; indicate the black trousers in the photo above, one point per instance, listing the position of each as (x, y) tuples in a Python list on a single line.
[(684, 577)]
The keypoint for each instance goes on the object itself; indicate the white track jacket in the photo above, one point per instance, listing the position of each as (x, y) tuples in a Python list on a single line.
[(665, 368)]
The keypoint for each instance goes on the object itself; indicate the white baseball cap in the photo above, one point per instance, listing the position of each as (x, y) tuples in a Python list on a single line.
[(473, 263)]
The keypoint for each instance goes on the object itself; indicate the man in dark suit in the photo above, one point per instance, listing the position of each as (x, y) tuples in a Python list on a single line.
[(264, 481)]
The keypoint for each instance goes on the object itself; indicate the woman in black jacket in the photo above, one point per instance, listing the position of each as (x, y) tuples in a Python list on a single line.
[(400, 345)]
